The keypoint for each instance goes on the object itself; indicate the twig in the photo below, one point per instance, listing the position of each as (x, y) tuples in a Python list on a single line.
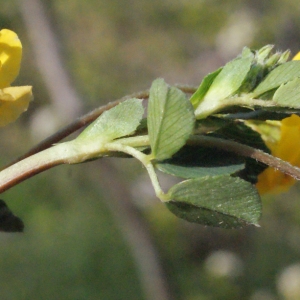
[(36, 163), (85, 120), (74, 126), (247, 151)]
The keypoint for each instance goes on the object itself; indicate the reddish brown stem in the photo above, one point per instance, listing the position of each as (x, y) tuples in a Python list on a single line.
[(85, 120), (247, 151)]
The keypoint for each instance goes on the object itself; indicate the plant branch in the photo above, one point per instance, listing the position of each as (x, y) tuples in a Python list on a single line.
[(86, 120), (61, 153), (33, 165), (247, 151), (247, 102), (145, 160), (74, 126)]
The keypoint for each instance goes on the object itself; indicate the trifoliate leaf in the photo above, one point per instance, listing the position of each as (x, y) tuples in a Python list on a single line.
[(170, 119), (117, 122), (221, 201), (288, 95), (280, 75), (196, 161)]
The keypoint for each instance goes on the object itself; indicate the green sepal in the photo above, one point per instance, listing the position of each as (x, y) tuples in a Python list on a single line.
[(171, 119), (221, 201)]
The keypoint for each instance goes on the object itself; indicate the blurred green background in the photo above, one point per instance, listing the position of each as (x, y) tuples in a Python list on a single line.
[(96, 230)]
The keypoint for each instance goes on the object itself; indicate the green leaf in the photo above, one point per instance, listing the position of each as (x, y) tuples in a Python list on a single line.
[(203, 88), (210, 124), (230, 78), (243, 134), (226, 83), (196, 161), (117, 122), (170, 119), (221, 201), (280, 75), (288, 95)]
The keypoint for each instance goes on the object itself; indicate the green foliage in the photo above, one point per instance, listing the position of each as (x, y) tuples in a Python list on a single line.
[(280, 75), (194, 162), (239, 132), (253, 74), (228, 81), (170, 119), (288, 94), (204, 87), (218, 189), (117, 122), (221, 201), (112, 48)]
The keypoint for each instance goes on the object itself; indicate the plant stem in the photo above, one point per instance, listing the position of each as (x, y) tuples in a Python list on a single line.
[(247, 151), (33, 165), (135, 141), (86, 120), (248, 102), (69, 129), (145, 160), (207, 108), (69, 153)]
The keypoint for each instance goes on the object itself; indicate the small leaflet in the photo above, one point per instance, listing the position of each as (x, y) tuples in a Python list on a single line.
[(221, 201), (170, 119)]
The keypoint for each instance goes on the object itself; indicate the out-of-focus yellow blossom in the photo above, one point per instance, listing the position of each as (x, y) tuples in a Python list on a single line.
[(297, 56), (13, 100), (286, 146)]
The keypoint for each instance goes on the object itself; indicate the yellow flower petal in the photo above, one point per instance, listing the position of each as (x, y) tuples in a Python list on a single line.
[(10, 57), (13, 101), (297, 56), (286, 148)]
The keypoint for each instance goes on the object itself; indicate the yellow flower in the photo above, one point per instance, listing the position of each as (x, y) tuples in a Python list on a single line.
[(13, 100), (297, 56), (287, 147)]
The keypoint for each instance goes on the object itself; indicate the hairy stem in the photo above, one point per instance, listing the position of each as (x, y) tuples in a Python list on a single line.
[(33, 165), (71, 152), (68, 153), (207, 108), (247, 151), (144, 159), (86, 120), (74, 126)]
